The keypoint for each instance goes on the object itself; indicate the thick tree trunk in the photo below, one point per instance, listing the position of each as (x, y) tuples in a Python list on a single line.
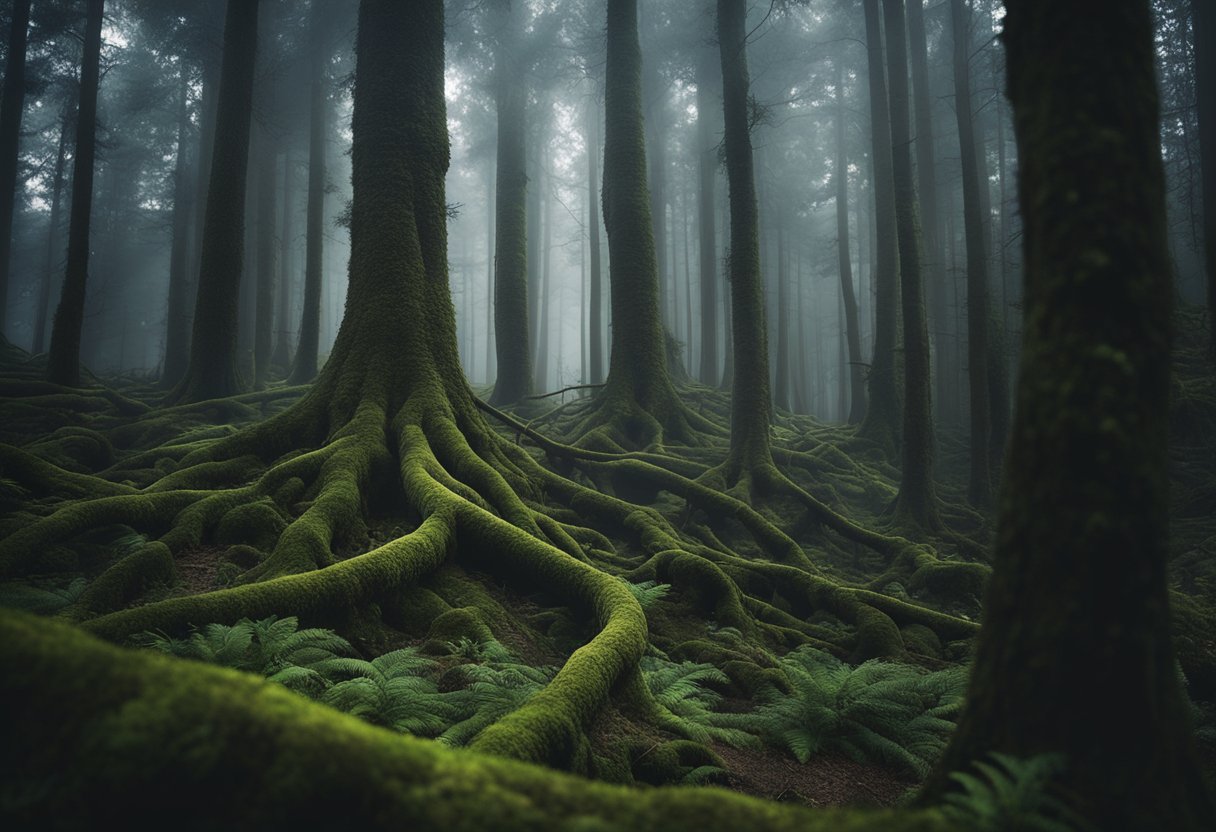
[(177, 315), (751, 405), (63, 360), (979, 489), (1203, 22), (263, 324), (654, 98), (1079, 589), (12, 103), (309, 345), (43, 309), (707, 170), (511, 289), (917, 499), (840, 176), (882, 416), (595, 288)]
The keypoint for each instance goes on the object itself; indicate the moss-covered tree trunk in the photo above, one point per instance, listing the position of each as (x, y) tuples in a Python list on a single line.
[(212, 372), (12, 104), (751, 405), (917, 501), (511, 309), (43, 308), (304, 369), (595, 286), (177, 316), (707, 173), (1075, 654), (881, 424), (1203, 22), (63, 359), (840, 177), (979, 488)]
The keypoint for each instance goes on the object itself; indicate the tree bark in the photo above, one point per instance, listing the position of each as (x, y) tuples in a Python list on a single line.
[(917, 499), (1088, 609), (1203, 22), (781, 388), (707, 171), (42, 312), (857, 387), (177, 316), (63, 360), (595, 289), (12, 104), (281, 357), (263, 331)]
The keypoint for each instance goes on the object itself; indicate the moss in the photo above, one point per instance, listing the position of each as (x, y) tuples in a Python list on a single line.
[(920, 639), (128, 579), (455, 624), (259, 524), (668, 762)]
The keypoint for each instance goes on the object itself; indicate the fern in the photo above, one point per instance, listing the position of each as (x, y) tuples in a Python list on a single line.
[(43, 599), (494, 688), (1013, 794), (648, 592), (877, 712), (391, 691), (680, 691)]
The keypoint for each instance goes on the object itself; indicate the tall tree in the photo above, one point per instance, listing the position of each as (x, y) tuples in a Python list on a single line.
[(177, 315), (917, 499), (881, 424), (267, 185), (304, 369), (43, 308), (63, 359), (840, 177), (511, 318), (979, 488), (12, 104), (1203, 22), (595, 312), (1078, 591), (707, 174), (751, 404)]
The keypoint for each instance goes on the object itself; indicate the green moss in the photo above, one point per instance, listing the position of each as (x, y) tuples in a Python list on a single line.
[(259, 524)]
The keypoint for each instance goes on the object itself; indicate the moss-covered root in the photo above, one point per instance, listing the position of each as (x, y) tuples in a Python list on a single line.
[(97, 734)]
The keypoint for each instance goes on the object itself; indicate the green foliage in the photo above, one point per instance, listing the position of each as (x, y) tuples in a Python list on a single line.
[(648, 592), (392, 690), (1012, 795), (495, 685), (877, 712), (40, 598), (680, 689)]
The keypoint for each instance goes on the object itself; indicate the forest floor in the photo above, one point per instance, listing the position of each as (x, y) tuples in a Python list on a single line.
[(467, 642)]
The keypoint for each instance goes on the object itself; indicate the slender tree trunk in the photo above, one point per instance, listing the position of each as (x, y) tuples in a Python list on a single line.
[(263, 333), (282, 347), (511, 319), (980, 486), (544, 302), (12, 103), (688, 356), (707, 169), (595, 312), (882, 415), (917, 500), (728, 352), (43, 309), (208, 115), (309, 345), (490, 207), (781, 390), (177, 317), (1203, 24), (751, 404), (63, 360), (1089, 609), (857, 387), (802, 388), (533, 232)]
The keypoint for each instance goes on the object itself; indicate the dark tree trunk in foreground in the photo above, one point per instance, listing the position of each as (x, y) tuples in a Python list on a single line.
[(595, 288), (63, 360), (177, 315), (917, 498), (751, 405), (213, 372), (857, 385), (1078, 592), (304, 369), (511, 313), (707, 171), (882, 416), (43, 309), (980, 486), (1203, 21), (12, 103)]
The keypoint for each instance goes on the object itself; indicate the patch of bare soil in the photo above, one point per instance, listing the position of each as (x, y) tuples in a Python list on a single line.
[(198, 567), (826, 780)]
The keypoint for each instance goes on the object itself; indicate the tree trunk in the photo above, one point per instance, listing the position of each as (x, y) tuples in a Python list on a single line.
[(263, 328), (979, 489), (881, 424), (707, 170), (781, 389), (595, 289), (42, 312), (282, 346), (177, 316), (511, 318), (309, 345), (12, 103), (490, 206), (63, 360), (917, 499), (1203, 23), (857, 388), (1088, 609), (544, 301), (751, 405)]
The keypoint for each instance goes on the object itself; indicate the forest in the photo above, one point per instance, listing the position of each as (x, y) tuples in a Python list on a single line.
[(634, 414)]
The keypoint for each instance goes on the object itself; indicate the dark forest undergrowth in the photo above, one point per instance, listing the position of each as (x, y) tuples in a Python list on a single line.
[(799, 647)]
